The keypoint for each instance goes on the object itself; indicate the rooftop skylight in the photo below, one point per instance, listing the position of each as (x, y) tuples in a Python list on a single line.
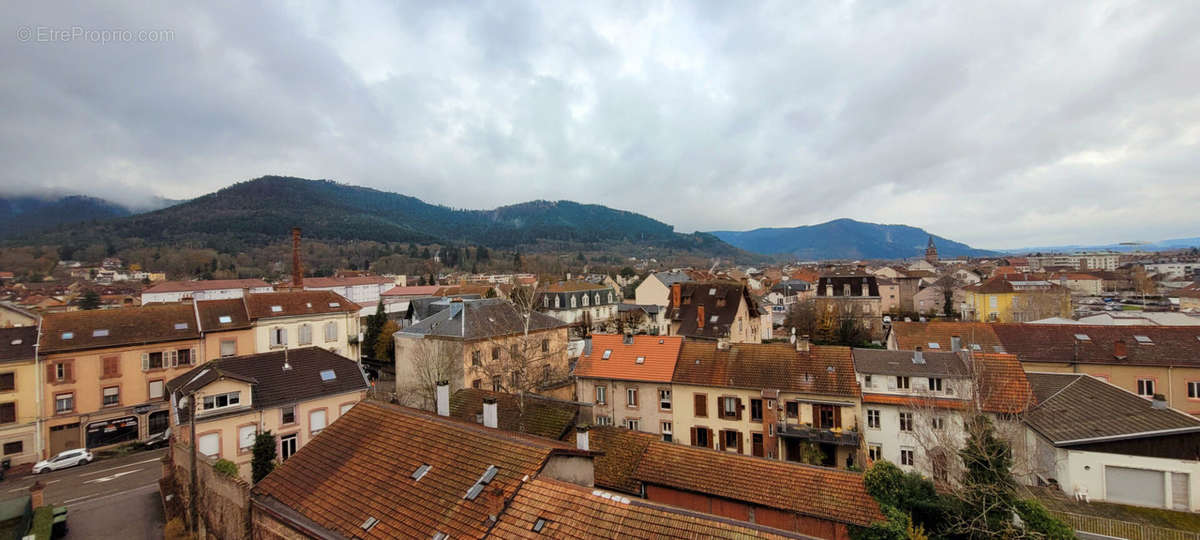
[(224, 319), (369, 524), (607, 354), (1144, 340), (335, 304), (328, 375), (101, 332), (1083, 337), (420, 472), (641, 359), (68, 335), (712, 291), (539, 524), (934, 345), (276, 309), (181, 326), (17, 341)]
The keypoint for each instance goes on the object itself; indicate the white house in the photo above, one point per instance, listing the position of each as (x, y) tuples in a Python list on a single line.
[(656, 288), (213, 289), (362, 290)]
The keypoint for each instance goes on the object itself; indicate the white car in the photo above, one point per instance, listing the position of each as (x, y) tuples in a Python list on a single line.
[(67, 458)]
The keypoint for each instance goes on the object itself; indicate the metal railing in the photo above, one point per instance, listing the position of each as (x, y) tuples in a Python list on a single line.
[(1122, 529)]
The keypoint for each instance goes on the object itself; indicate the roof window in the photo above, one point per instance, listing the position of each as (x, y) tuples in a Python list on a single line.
[(1144, 340), (369, 524), (661, 341), (181, 326), (441, 536), (328, 375), (712, 291), (102, 332), (641, 359), (308, 304), (539, 525), (607, 354), (976, 347), (17, 341), (420, 472), (335, 304), (934, 345), (276, 309), (224, 319), (713, 318), (1083, 337)]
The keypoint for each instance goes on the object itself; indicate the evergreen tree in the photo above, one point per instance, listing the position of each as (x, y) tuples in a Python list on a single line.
[(481, 254), (263, 461), (90, 300), (412, 251), (948, 306), (422, 281), (517, 260), (374, 326), (385, 346), (425, 253)]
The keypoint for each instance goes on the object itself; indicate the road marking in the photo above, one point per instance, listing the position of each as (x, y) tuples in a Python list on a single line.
[(113, 476), (27, 487), (119, 467), (91, 498)]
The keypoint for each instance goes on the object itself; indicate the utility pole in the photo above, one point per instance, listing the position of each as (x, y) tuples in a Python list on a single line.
[(194, 491)]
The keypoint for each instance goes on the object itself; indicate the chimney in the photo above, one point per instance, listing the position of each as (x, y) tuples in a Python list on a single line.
[(955, 344), (723, 344), (802, 343), (37, 499), (1159, 401), (493, 500), (443, 398), (581, 438), (676, 292), (628, 340), (918, 356), (1119, 348), (699, 316), (297, 270), (490, 418), (286, 365)]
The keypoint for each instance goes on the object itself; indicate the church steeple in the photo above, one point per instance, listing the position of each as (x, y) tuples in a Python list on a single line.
[(931, 254)]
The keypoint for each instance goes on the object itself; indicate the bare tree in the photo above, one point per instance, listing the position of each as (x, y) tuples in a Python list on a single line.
[(531, 360), (429, 361)]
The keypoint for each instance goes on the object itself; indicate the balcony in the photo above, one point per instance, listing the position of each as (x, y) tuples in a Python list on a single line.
[(835, 436)]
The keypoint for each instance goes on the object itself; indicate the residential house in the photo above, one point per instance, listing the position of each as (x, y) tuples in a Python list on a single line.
[(931, 299), (362, 290), (213, 289), (889, 295), (1104, 443), (852, 294), (106, 370), (916, 403), (785, 294), (303, 318), (13, 315), (642, 319), (774, 400), (577, 302), (965, 276), (529, 413), (656, 288), (1000, 299), (225, 328), (19, 392), (716, 310), (484, 344), (910, 281), (294, 394), (1079, 283), (627, 378)]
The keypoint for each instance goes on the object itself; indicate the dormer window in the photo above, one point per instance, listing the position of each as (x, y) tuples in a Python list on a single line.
[(276, 309), (557, 302), (100, 333), (219, 401), (585, 300), (1082, 337)]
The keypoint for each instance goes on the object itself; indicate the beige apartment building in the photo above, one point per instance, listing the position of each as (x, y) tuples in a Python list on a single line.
[(294, 394), (304, 318), (716, 310), (19, 390), (628, 381), (225, 329)]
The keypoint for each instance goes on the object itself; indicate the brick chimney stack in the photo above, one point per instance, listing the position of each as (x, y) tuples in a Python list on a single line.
[(699, 316), (297, 270), (1119, 349), (676, 293)]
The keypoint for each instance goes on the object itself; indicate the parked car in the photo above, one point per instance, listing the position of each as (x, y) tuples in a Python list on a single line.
[(65, 459)]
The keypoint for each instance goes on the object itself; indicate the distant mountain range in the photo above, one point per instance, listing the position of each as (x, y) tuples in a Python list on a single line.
[(263, 211), (1162, 245), (846, 239), (22, 215)]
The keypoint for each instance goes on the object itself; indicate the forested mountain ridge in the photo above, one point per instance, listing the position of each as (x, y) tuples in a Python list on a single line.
[(21, 215), (846, 239)]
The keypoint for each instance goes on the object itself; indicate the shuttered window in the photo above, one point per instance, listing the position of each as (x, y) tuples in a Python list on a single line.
[(8, 413), (701, 402), (246, 435), (331, 332), (112, 367), (305, 335), (316, 421)]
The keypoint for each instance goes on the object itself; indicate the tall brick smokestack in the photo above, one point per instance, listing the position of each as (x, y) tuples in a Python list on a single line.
[(297, 270)]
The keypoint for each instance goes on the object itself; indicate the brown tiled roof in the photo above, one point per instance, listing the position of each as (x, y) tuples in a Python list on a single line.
[(205, 285), (125, 326), (542, 416), (326, 282), (298, 303), (210, 312), (821, 492), (575, 512), (768, 365), (1002, 385), (1075, 408), (1167, 346), (273, 385), (910, 335), (620, 450), (901, 363), (658, 354), (361, 466), (915, 401), (18, 344), (720, 299)]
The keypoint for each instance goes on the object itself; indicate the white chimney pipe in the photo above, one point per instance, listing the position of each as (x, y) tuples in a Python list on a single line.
[(918, 356), (490, 414), (443, 398), (581, 438), (955, 343)]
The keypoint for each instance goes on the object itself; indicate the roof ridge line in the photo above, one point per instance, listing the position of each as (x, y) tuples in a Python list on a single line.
[(1060, 390)]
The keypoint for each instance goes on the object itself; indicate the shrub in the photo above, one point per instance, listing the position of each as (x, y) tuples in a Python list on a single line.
[(1039, 520), (226, 467), (176, 530), (43, 522), (264, 456)]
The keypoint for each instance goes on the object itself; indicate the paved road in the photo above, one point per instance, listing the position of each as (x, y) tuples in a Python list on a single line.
[(112, 498)]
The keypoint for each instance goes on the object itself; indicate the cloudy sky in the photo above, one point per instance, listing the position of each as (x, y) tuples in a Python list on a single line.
[(1002, 124)]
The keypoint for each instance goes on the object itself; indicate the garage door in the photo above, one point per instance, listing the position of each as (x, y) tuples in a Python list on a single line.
[(1135, 486)]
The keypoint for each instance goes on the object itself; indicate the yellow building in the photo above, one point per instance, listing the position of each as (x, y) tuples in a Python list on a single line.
[(105, 372), (225, 329), (294, 394), (19, 390), (304, 318), (1003, 300)]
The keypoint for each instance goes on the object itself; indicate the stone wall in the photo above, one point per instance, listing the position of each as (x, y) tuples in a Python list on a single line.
[(224, 502)]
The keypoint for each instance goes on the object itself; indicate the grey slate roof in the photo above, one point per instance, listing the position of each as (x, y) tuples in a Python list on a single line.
[(670, 278), (422, 308), (480, 319), (1076, 409), (878, 361), (17, 344)]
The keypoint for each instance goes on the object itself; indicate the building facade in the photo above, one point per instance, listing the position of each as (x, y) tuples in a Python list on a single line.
[(628, 381), (213, 289), (305, 318), (578, 302), (20, 386)]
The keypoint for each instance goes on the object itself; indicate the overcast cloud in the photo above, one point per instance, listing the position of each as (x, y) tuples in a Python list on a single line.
[(1002, 124)]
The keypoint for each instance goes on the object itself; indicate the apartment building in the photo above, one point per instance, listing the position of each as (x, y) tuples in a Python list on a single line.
[(305, 318), (716, 310), (855, 294), (628, 380), (578, 302), (212, 289), (225, 328), (20, 387)]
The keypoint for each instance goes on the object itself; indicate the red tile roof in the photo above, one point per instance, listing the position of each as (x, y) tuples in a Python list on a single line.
[(1166, 345), (1002, 385), (910, 335), (718, 301), (822, 370), (620, 451), (820, 492), (658, 354), (294, 303), (206, 285), (575, 512)]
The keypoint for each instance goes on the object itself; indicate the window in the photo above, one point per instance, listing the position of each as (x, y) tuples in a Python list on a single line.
[(633, 423), (183, 357), (573, 302), (826, 417), (15, 447), (100, 333), (701, 437), (156, 389), (907, 457), (601, 395), (220, 401), (873, 418), (224, 319), (331, 331), (701, 405), (604, 421), (60, 371), (497, 383), (731, 440), (935, 384), (8, 382), (756, 410), (345, 408), (209, 444), (867, 381), (495, 353), (631, 397), (545, 345), (902, 383), (278, 337), (1145, 387), (585, 301), (287, 415), (938, 423), (246, 435), (1193, 389), (666, 431), (305, 335), (316, 421), (874, 452), (68, 335), (477, 383), (64, 403), (328, 375), (8, 413), (111, 396), (906, 421), (664, 399), (730, 407), (607, 354), (276, 309), (793, 409), (228, 347), (287, 446)]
